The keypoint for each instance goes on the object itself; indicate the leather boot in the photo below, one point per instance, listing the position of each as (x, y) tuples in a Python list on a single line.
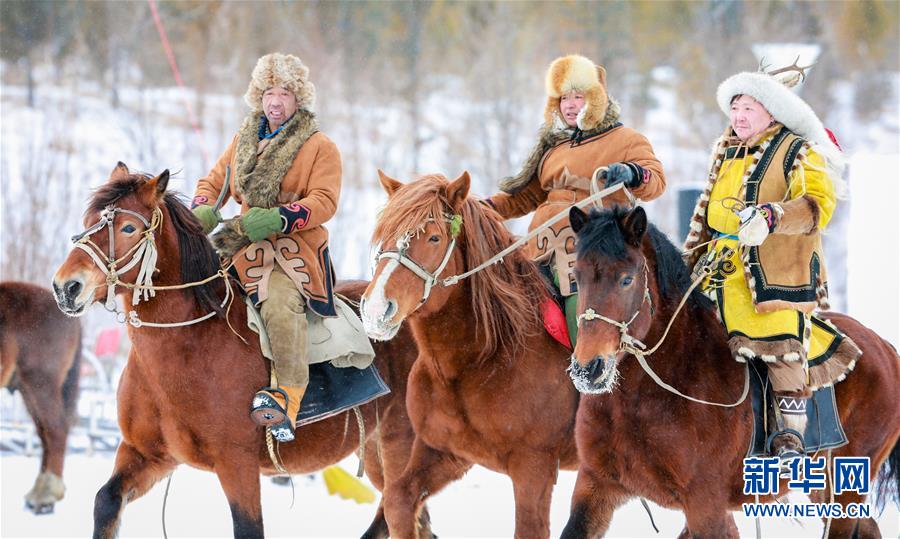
[(787, 442), (277, 407)]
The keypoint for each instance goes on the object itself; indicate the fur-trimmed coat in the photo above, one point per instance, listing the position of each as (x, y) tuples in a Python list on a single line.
[(788, 270), (557, 174), (298, 171)]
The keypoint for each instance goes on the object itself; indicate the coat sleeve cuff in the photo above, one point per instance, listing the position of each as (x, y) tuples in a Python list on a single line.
[(295, 216)]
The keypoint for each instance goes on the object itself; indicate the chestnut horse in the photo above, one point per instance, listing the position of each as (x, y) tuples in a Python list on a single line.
[(638, 439), (489, 386), (40, 355), (185, 392)]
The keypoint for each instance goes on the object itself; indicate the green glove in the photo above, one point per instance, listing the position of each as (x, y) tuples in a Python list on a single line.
[(260, 223), (208, 217)]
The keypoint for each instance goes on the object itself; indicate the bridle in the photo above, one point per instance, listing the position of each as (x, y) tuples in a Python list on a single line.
[(630, 345), (430, 278), (143, 253), (627, 343)]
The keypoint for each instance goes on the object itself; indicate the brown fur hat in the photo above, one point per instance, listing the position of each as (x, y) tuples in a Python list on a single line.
[(285, 70), (575, 72)]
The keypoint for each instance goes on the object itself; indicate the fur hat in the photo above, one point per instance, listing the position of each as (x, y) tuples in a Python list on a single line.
[(285, 70), (575, 72), (787, 108)]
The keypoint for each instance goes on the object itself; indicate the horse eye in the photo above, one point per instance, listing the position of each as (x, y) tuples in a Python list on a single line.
[(128, 229), (627, 281), (434, 238)]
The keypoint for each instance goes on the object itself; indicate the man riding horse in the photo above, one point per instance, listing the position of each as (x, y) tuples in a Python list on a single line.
[(286, 175), (771, 191), (581, 133)]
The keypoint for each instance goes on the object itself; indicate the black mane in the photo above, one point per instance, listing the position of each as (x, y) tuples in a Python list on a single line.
[(602, 234), (198, 257)]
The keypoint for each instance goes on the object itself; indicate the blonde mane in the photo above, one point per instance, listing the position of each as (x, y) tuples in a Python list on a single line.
[(506, 297)]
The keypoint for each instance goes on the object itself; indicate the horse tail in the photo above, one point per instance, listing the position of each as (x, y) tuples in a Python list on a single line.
[(70, 384), (888, 480)]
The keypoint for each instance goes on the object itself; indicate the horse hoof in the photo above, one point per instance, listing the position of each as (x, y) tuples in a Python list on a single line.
[(40, 508)]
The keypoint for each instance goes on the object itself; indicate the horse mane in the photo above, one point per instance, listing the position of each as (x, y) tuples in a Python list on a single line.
[(603, 234), (506, 297), (198, 257)]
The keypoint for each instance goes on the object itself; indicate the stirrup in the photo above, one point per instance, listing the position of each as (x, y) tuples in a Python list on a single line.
[(785, 454), (267, 412)]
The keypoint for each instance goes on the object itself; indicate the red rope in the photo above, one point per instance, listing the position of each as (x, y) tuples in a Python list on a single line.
[(187, 104)]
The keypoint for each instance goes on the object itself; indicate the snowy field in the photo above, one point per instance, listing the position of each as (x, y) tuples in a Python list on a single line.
[(479, 505)]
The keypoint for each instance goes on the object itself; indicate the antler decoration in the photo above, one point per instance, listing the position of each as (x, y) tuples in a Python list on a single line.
[(791, 80)]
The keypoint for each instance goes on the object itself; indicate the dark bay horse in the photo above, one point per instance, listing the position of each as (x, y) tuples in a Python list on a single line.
[(489, 386), (637, 439), (185, 391), (40, 355)]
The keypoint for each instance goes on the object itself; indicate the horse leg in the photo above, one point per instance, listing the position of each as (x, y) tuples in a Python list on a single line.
[(705, 520), (386, 455), (428, 471), (133, 475), (533, 476), (858, 528), (239, 477), (51, 424), (594, 500)]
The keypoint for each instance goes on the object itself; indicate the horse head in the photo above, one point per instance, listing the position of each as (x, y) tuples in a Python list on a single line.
[(614, 293), (131, 220), (420, 231)]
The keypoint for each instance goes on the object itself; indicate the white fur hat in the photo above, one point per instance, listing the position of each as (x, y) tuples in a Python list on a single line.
[(787, 108), (285, 70)]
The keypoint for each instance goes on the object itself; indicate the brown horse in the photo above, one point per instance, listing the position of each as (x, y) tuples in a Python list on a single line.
[(40, 355), (184, 395), (637, 439), (489, 386)]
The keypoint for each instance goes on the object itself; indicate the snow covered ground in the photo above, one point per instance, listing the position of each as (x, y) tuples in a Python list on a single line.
[(479, 505)]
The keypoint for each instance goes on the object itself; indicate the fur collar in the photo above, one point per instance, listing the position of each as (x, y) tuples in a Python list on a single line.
[(259, 182), (549, 136)]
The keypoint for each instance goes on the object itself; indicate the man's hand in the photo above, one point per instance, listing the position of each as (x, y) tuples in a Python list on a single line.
[(260, 223), (756, 224), (622, 173), (209, 218)]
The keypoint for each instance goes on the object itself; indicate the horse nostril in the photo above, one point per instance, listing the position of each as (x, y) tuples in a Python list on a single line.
[(72, 289), (391, 309), (595, 368)]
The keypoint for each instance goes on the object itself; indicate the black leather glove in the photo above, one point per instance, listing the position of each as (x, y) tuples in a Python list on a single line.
[(628, 173)]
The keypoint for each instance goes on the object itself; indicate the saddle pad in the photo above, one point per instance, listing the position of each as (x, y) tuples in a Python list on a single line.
[(333, 390), (823, 428)]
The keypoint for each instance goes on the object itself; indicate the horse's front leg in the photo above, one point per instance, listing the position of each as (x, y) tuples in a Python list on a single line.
[(594, 501), (533, 475), (428, 471), (239, 476), (132, 477)]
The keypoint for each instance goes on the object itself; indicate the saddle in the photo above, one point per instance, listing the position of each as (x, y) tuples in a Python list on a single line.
[(341, 373), (823, 428)]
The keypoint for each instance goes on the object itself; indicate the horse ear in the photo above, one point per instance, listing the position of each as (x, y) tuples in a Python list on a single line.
[(458, 190), (153, 190), (162, 181), (120, 172), (389, 184), (577, 218), (634, 226)]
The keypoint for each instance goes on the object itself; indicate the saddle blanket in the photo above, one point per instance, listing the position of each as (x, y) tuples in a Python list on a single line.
[(823, 428)]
